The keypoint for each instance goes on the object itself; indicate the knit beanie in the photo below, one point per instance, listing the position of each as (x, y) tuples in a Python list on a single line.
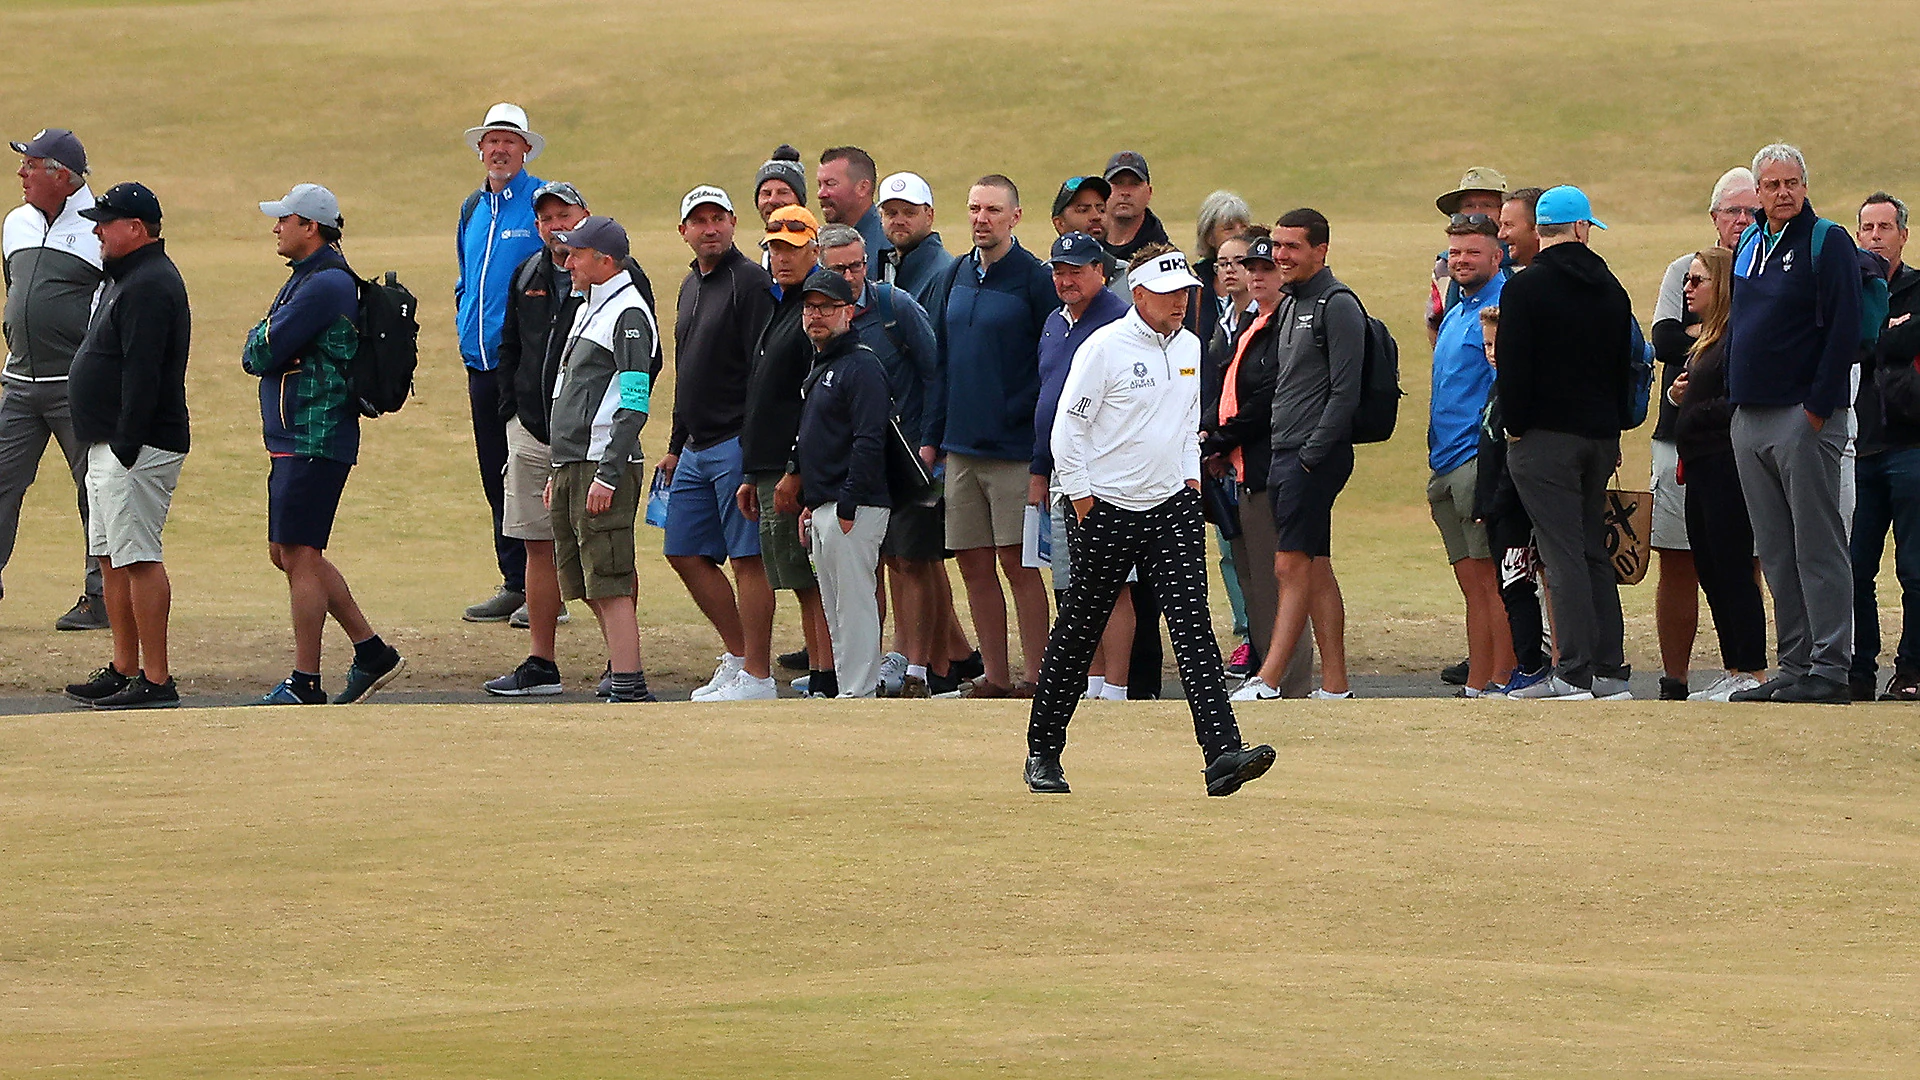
[(784, 166)]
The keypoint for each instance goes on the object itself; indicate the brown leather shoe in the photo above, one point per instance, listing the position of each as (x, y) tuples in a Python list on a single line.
[(981, 688), (913, 686)]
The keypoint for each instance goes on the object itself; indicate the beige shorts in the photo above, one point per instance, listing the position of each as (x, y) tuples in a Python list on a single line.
[(1450, 500), (126, 508), (529, 463), (986, 502)]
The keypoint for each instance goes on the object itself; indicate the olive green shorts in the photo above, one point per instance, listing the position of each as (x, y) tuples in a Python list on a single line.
[(593, 553)]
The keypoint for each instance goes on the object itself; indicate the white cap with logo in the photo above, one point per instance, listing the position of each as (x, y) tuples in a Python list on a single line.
[(906, 187), (1163, 274), (705, 193)]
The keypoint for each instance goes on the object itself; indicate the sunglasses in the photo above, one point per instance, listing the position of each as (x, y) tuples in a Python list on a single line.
[(1472, 221), (1694, 281), (788, 226)]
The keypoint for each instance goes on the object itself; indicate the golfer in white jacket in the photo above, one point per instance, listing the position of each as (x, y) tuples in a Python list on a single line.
[(1126, 448)]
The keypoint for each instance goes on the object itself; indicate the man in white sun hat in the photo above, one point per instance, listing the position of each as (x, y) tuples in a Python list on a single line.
[(496, 233), (1126, 449)]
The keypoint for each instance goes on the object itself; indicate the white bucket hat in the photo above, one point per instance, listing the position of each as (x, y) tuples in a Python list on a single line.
[(507, 116)]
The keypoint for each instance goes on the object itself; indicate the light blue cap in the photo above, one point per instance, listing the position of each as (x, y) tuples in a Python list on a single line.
[(1565, 205)]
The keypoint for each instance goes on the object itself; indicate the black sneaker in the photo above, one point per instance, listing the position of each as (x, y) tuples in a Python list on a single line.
[(1455, 675), (141, 694), (943, 684), (362, 681), (87, 613), (1044, 775), (534, 677), (1863, 687), (1816, 690), (971, 668), (1672, 689), (1766, 690), (103, 683), (1233, 768), (795, 660)]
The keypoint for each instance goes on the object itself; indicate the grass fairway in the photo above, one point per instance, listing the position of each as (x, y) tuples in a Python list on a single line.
[(821, 890)]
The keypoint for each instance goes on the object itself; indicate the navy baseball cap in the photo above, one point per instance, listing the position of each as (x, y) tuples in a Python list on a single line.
[(1128, 161), (55, 144), (1075, 249), (601, 234), (1259, 249), (1074, 186), (827, 283), (130, 199)]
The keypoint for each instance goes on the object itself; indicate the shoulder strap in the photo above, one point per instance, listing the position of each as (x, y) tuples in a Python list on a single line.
[(889, 319), (466, 214), (1320, 313)]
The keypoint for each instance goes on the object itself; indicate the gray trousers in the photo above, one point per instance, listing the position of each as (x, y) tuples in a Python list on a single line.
[(1790, 476), (1253, 560), (1562, 481), (846, 564), (29, 413)]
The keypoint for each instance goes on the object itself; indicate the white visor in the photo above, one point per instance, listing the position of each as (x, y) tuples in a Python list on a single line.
[(1163, 274)]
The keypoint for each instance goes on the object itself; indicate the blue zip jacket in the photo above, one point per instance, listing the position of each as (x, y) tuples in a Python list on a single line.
[(1792, 333), (923, 272), (908, 352), (498, 237), (300, 353), (1058, 342), (1462, 380), (990, 352)]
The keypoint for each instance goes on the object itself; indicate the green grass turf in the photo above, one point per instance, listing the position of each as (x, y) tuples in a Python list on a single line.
[(851, 890), (1421, 889)]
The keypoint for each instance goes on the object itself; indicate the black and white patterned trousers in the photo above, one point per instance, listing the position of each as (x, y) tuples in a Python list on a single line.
[(1169, 545)]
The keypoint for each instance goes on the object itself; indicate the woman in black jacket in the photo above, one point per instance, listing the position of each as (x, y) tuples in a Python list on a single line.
[(1717, 522)]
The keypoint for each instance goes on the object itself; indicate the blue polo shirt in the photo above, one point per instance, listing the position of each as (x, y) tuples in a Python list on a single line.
[(1462, 380)]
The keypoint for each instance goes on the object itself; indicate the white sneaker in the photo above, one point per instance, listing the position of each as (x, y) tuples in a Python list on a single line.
[(1328, 695), (1254, 690), (723, 675), (1552, 688), (745, 687), (1611, 690), (1728, 685), (801, 685), (893, 671)]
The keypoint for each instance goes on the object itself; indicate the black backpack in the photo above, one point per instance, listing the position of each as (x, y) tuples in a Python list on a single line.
[(1379, 408), (382, 370)]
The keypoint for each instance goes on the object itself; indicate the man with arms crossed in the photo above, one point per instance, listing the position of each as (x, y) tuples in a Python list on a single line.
[(1126, 444)]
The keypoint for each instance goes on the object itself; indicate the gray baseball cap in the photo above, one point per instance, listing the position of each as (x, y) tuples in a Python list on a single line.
[(602, 234), (561, 190), (310, 201), (55, 144)]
